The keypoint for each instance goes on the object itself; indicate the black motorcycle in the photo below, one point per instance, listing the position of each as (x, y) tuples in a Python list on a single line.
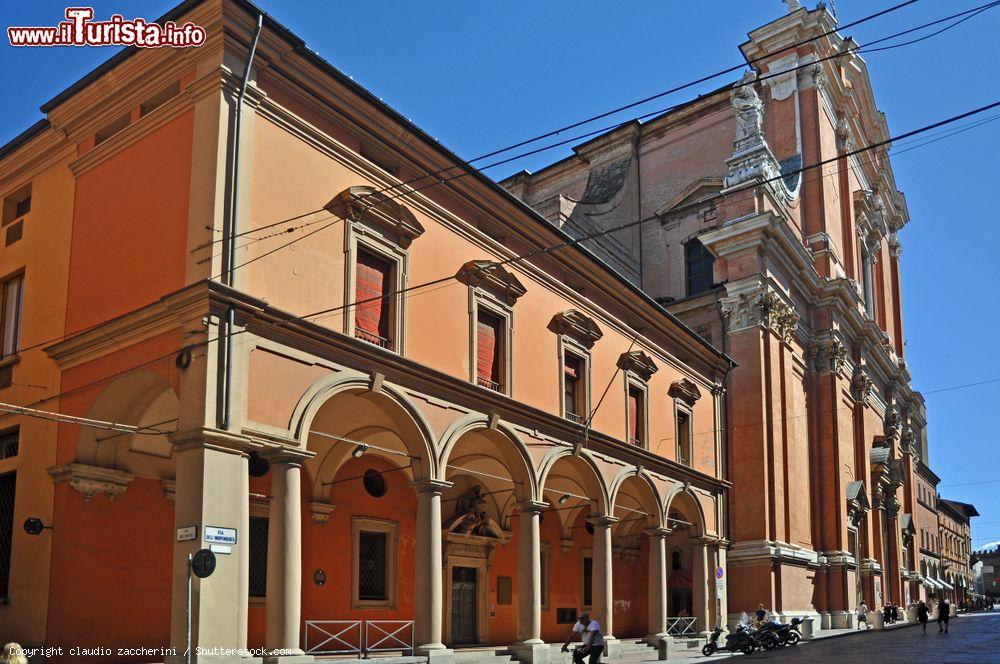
[(773, 634), (741, 639)]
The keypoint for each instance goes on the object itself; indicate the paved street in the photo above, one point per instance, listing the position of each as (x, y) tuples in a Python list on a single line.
[(971, 639)]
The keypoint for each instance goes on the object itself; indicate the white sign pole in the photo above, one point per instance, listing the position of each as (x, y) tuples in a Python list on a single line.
[(187, 652)]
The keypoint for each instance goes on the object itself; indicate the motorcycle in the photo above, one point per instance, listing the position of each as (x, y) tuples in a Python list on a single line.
[(741, 639), (777, 635)]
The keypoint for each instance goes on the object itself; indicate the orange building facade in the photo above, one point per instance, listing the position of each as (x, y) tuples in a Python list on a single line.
[(352, 388), (795, 274)]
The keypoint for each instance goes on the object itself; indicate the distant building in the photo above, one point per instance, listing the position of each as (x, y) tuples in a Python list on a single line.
[(988, 578), (955, 532)]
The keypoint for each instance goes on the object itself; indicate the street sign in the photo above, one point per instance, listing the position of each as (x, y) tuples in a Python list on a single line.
[(203, 563), (220, 548), (720, 586), (216, 535), (719, 573), (187, 533)]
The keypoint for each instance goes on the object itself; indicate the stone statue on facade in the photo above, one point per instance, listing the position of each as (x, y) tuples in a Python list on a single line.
[(749, 110)]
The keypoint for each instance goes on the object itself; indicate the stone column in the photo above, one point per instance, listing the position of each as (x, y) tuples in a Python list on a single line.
[(657, 584), (428, 587), (212, 489), (699, 585), (723, 599), (529, 647), (284, 562), (601, 580)]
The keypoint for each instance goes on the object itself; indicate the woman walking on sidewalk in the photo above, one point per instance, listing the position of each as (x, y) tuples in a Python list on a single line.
[(923, 613), (863, 615)]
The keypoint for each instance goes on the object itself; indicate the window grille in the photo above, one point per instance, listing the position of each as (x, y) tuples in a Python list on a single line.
[(258, 556), (8, 485), (372, 566), (10, 442)]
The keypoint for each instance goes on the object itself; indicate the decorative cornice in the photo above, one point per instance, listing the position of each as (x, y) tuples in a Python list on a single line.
[(577, 326), (861, 386), (685, 390), (492, 277), (829, 355), (365, 204), (638, 363), (320, 512), (92, 480)]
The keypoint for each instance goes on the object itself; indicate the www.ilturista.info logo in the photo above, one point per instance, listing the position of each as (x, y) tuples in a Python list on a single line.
[(81, 30)]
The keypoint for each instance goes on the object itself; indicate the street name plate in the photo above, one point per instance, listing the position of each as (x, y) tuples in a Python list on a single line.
[(187, 533), (217, 535)]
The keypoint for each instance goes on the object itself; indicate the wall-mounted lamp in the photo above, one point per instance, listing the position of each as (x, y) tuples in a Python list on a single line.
[(564, 498), (319, 577), (359, 451)]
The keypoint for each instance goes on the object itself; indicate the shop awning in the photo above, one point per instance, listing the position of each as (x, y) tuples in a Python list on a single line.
[(945, 585), (931, 582)]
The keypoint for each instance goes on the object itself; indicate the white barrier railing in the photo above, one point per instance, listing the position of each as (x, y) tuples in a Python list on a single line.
[(335, 637), (388, 635), (681, 626), (357, 637)]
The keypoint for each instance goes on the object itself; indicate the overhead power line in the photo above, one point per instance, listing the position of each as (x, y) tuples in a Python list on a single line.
[(334, 219), (619, 109)]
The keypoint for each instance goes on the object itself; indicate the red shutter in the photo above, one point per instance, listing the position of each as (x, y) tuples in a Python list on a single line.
[(371, 281), (570, 365), (486, 347), (633, 416)]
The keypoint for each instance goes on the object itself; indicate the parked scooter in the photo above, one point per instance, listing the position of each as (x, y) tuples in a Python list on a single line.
[(740, 639)]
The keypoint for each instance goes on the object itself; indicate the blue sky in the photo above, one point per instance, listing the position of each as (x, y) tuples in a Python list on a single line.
[(478, 75)]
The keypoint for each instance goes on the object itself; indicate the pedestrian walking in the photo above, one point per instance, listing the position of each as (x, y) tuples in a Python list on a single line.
[(13, 653), (923, 613), (863, 615), (887, 614), (591, 640), (895, 613), (944, 615)]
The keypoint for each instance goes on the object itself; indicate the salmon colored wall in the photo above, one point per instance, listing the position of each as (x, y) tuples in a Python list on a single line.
[(128, 210), (97, 575), (291, 177)]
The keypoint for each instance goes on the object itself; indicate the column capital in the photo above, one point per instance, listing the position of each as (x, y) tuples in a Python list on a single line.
[(654, 533), (531, 506), (430, 486), (213, 439), (603, 520), (294, 456)]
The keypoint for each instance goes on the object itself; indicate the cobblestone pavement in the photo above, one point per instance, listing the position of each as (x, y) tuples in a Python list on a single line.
[(972, 639)]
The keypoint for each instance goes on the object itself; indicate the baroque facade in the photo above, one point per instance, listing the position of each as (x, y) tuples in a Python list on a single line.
[(221, 367), (794, 274)]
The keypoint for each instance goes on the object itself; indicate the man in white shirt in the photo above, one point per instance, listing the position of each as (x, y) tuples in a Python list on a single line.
[(591, 640)]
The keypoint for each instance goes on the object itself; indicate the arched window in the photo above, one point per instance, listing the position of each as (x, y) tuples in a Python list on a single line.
[(697, 267), (676, 561)]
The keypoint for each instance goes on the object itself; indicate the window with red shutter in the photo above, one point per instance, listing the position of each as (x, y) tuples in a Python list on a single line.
[(489, 349), (635, 416), (373, 280), (572, 369)]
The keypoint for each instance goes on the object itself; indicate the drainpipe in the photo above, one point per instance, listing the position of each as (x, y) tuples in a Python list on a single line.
[(231, 229)]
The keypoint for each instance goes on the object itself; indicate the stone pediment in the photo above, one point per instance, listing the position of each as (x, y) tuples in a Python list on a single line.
[(367, 205), (577, 326), (493, 278), (638, 363), (685, 390)]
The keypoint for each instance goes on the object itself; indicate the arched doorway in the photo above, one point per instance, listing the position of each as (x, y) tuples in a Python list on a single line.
[(688, 568), (491, 478), (637, 545)]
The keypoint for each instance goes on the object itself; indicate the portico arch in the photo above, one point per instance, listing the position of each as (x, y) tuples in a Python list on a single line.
[(688, 566)]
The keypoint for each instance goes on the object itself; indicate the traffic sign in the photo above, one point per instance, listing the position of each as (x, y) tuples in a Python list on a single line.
[(719, 572), (203, 563)]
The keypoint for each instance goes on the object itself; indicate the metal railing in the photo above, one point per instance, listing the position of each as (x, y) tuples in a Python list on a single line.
[(358, 637), (489, 384), (681, 626), (336, 637), (391, 635)]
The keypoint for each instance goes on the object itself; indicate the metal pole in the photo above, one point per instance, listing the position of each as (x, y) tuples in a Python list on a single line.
[(187, 652)]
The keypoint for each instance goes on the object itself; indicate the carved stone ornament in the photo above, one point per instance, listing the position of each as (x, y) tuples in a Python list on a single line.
[(493, 278), (761, 307), (845, 137), (685, 390), (577, 326), (749, 111), (861, 386), (891, 423), (830, 355), (812, 76), (320, 512), (92, 480), (367, 205), (638, 363)]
